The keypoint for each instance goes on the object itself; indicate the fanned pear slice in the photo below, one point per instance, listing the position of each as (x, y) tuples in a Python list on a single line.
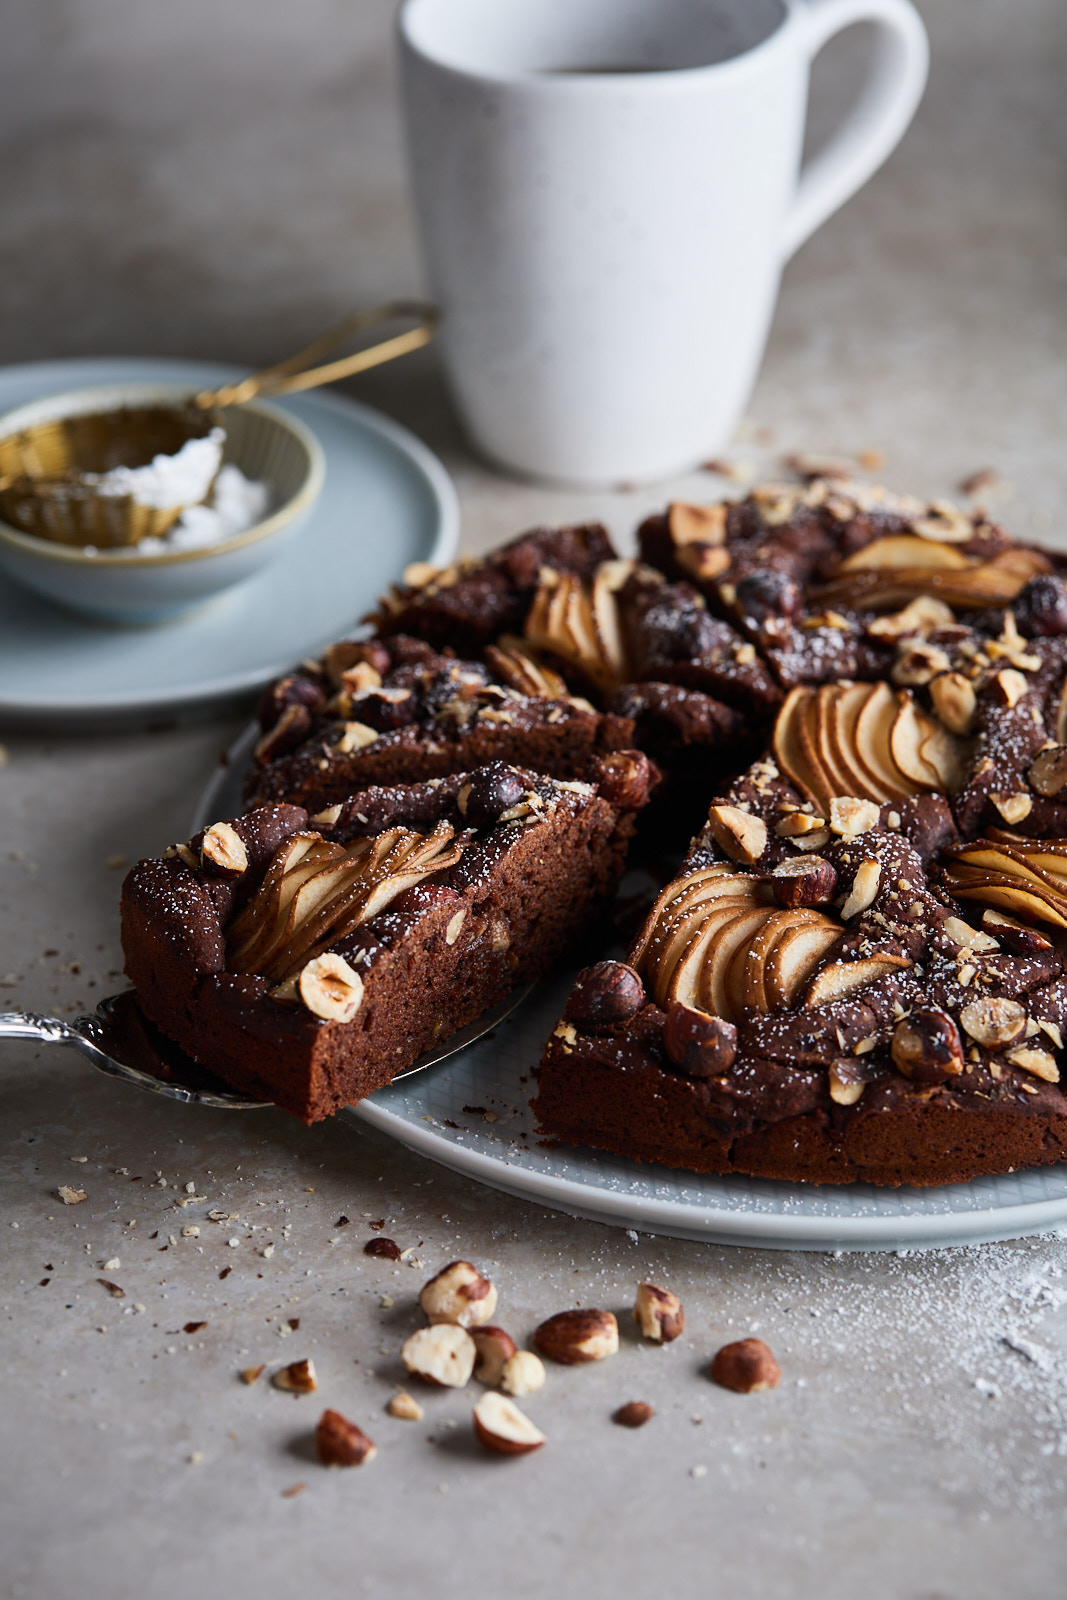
[(910, 730), (665, 956), (841, 775), (747, 981), (712, 994), (809, 731), (674, 891), (687, 981), (874, 728), (905, 550), (1023, 902), (1008, 860), (609, 579), (795, 957), (841, 978), (788, 749), (846, 704)]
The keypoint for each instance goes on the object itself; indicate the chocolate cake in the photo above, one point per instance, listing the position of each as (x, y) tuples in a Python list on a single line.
[(309, 959), (844, 981), (859, 699)]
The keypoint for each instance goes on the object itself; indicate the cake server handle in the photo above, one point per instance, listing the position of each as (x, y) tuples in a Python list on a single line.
[(81, 1036)]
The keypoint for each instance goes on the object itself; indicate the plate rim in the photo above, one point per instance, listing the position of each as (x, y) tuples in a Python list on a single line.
[(445, 541)]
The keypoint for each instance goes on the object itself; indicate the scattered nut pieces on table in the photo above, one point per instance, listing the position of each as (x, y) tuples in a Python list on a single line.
[(747, 1366), (340, 1443), (575, 1337), (502, 1428)]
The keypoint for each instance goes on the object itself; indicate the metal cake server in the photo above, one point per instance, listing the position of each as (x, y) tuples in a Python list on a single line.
[(120, 1041)]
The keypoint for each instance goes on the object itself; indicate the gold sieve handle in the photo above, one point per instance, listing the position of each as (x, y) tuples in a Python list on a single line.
[(294, 374)]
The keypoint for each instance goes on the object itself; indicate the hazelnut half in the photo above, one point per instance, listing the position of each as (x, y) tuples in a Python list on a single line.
[(702, 1045), (927, 1047), (994, 1021), (746, 1366), (1047, 772), (658, 1313), (495, 1348), (340, 1443), (459, 1294), (575, 1337), (330, 988), (503, 1429), (605, 994), (442, 1354), (224, 850), (524, 1373)]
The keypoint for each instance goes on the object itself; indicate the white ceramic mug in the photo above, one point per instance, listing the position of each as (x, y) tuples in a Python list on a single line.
[(607, 192)]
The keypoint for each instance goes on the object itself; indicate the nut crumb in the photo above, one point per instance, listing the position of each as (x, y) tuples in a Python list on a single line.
[(251, 1374), (71, 1196), (293, 1490), (634, 1414)]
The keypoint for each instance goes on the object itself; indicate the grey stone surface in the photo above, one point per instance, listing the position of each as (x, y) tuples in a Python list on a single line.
[(221, 181)]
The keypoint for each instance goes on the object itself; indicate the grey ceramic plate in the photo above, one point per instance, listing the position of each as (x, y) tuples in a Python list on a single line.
[(386, 501), (496, 1142)]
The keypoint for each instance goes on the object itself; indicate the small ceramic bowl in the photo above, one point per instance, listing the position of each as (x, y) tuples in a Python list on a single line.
[(267, 444)]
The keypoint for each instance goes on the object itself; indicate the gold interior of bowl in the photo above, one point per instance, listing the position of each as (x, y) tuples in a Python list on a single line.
[(41, 467)]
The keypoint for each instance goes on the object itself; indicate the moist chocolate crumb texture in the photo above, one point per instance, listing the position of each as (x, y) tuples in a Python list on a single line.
[(857, 973), (310, 959)]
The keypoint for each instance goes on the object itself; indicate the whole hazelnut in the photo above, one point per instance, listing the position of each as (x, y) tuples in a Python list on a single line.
[(702, 1045), (768, 596), (927, 1047), (459, 1294), (575, 1337), (385, 709), (803, 881), (1040, 607), (604, 995), (634, 1414), (291, 729), (295, 690), (493, 790), (746, 1366), (623, 779), (524, 1373)]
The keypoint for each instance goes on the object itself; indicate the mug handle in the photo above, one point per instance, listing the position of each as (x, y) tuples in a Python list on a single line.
[(878, 119)]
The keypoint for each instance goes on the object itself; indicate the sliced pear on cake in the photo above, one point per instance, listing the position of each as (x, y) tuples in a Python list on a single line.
[(712, 993), (683, 938), (841, 978), (874, 728), (846, 703), (795, 956), (903, 550), (789, 750)]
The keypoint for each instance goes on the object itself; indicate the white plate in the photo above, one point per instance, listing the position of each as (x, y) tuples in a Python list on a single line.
[(387, 501), (427, 1114)]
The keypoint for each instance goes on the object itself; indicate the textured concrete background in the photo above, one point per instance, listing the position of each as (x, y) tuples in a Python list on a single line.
[(222, 181)]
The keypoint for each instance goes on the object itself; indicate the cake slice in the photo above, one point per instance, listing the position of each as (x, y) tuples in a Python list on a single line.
[(307, 960), (812, 998)]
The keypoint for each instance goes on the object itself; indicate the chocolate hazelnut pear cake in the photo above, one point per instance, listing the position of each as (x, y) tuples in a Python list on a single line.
[(309, 959), (861, 701)]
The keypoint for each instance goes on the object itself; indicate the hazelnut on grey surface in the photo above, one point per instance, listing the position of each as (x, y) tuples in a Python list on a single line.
[(605, 994), (927, 1047), (574, 1338), (747, 1366), (459, 1294), (658, 1313), (702, 1045), (340, 1443)]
